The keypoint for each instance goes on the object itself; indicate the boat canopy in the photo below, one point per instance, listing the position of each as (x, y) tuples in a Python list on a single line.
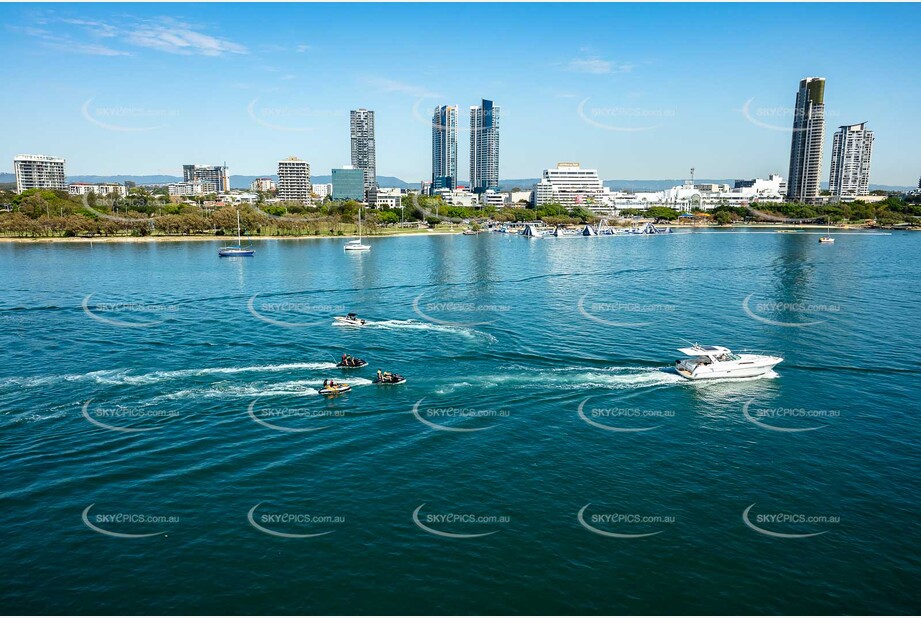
[(704, 350)]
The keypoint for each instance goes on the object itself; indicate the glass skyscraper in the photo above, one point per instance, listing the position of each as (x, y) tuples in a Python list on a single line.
[(808, 138), (484, 147), (444, 147), (361, 129)]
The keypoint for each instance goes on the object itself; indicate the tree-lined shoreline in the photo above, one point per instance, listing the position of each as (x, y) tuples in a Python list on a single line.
[(48, 214)]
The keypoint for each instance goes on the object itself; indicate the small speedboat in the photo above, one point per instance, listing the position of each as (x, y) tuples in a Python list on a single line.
[(335, 388), (350, 362), (826, 240), (350, 319), (389, 378), (709, 362), (470, 232)]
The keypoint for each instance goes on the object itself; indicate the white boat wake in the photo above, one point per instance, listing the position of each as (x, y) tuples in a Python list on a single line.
[(116, 377), (419, 325)]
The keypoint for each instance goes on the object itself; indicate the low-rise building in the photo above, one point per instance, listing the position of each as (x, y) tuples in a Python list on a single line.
[(388, 198), (103, 188), (263, 184), (706, 196), (322, 190), (180, 189), (517, 197), (238, 197), (459, 197), (495, 199)]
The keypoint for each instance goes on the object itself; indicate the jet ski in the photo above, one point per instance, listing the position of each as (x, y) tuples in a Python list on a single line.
[(334, 388), (350, 362), (389, 378), (350, 319)]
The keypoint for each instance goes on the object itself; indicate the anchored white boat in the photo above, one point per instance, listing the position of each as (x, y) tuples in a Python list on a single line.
[(239, 250), (709, 362), (356, 245)]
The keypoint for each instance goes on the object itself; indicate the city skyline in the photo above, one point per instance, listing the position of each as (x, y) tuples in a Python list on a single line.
[(650, 114)]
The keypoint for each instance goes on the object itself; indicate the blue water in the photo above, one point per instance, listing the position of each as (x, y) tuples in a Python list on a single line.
[(494, 333)]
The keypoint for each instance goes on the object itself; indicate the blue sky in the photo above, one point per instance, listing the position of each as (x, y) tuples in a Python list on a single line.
[(637, 91)]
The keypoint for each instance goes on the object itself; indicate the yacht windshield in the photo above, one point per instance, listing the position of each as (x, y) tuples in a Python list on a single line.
[(729, 356)]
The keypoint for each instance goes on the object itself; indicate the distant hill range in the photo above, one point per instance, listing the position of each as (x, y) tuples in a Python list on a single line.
[(525, 184)]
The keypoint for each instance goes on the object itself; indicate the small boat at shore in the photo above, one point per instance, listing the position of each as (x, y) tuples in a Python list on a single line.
[(710, 362)]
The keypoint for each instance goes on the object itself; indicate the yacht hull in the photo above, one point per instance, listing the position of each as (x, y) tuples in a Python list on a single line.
[(745, 368)]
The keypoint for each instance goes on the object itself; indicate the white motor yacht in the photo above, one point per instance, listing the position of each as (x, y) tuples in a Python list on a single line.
[(714, 361)]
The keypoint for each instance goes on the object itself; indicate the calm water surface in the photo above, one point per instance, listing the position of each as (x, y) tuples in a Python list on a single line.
[(164, 448)]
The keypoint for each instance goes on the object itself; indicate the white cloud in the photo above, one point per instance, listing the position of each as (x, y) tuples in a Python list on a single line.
[(69, 44), (165, 34), (597, 66), (179, 38)]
